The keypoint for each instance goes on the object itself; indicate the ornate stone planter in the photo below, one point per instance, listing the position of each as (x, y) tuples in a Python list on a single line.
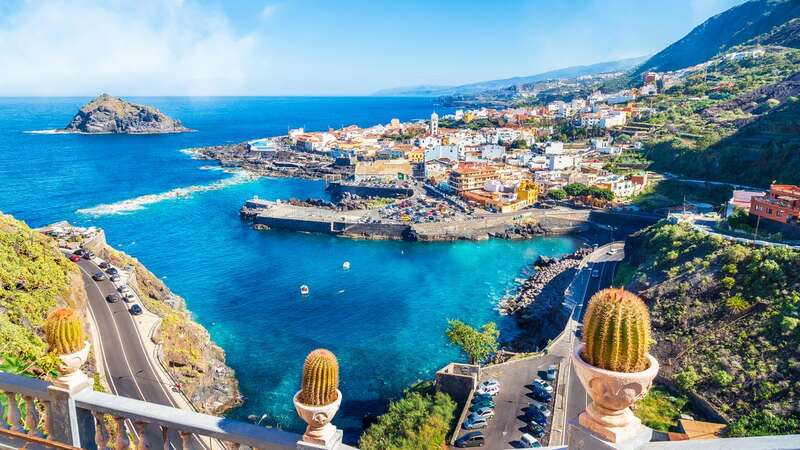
[(609, 414), (70, 374), (320, 430)]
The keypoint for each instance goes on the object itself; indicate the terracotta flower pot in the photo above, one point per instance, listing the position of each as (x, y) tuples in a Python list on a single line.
[(320, 430), (609, 414)]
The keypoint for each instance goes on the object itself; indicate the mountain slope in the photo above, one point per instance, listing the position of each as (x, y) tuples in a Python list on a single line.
[(735, 26), (473, 88), (726, 321)]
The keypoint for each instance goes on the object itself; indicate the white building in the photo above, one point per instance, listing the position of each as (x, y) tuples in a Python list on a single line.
[(451, 152), (614, 119), (493, 151), (560, 162), (434, 123), (554, 148)]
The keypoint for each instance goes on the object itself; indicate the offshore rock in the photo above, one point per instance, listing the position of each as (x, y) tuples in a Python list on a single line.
[(107, 114)]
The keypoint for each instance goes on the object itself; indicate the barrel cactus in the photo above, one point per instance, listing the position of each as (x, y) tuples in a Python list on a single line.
[(320, 378), (616, 331), (63, 331)]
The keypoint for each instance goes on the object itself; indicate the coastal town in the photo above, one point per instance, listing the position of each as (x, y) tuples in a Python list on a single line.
[(595, 257)]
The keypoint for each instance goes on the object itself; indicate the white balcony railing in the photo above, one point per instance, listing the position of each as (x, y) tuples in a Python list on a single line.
[(44, 415)]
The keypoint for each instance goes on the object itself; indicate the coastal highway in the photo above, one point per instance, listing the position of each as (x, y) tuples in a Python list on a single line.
[(606, 265), (129, 370)]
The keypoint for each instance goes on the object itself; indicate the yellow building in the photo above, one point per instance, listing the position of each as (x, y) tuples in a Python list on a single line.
[(416, 156), (528, 191)]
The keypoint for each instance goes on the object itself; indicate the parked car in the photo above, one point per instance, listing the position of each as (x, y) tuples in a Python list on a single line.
[(99, 276), (135, 310), (87, 255), (551, 372), (534, 429), (471, 439), (78, 252), (579, 331), (595, 273), (529, 441), (535, 416), (491, 390), (541, 394), (479, 405), (544, 409), (103, 265), (475, 423), (123, 289), (115, 278), (480, 397), (112, 271), (547, 387), (612, 251), (112, 298), (128, 297), (489, 382), (74, 258), (485, 412)]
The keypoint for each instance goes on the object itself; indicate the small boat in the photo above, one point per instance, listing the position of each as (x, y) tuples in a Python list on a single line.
[(304, 290), (346, 265)]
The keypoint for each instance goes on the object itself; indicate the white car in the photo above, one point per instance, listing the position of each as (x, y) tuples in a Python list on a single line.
[(490, 390), (544, 409), (529, 441), (612, 251), (544, 384), (489, 382)]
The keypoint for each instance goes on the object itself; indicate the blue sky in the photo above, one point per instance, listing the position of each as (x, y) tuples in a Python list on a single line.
[(318, 47)]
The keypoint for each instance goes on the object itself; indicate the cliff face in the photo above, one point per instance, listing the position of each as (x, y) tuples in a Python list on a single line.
[(186, 347), (107, 114)]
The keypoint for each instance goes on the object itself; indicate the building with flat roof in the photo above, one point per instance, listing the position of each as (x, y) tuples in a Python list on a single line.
[(780, 204)]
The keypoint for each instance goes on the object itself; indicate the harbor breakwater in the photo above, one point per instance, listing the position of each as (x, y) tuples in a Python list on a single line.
[(352, 224)]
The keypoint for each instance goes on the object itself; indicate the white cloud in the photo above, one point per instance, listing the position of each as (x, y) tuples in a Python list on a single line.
[(269, 10), (147, 47)]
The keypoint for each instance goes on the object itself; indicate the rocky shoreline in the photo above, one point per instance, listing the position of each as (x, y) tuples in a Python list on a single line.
[(279, 163), (537, 304)]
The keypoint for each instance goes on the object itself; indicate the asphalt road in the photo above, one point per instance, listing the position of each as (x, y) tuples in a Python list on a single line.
[(128, 369), (605, 264)]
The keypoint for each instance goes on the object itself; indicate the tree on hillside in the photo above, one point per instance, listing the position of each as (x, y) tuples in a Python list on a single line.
[(476, 344), (557, 194), (415, 422)]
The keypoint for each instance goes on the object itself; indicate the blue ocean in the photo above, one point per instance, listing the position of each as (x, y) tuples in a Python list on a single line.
[(384, 318)]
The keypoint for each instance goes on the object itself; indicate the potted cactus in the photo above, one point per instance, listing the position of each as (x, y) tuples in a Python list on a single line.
[(319, 397), (613, 363), (63, 330)]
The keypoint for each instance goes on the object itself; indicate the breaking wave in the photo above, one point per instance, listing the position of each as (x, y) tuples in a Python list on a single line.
[(53, 131), (139, 203)]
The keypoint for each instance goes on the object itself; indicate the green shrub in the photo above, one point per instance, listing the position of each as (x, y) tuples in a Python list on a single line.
[(722, 378), (763, 423), (415, 422), (728, 282), (737, 303), (659, 410), (687, 378)]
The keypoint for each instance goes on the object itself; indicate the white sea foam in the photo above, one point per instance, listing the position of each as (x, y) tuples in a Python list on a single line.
[(191, 152), (139, 203), (53, 131)]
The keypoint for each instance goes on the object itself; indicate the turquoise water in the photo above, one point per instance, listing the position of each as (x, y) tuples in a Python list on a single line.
[(384, 318)]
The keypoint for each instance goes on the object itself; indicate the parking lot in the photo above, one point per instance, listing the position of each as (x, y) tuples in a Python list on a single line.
[(506, 428)]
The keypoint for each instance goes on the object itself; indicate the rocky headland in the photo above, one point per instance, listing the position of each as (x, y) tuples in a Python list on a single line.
[(107, 114), (281, 162)]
